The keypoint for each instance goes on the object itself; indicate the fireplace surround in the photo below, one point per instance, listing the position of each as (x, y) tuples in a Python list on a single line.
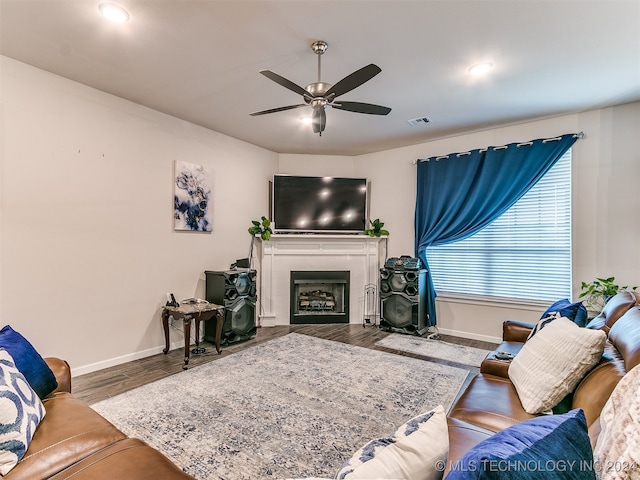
[(359, 255)]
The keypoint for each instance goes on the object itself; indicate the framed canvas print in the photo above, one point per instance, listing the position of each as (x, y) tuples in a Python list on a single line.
[(192, 209)]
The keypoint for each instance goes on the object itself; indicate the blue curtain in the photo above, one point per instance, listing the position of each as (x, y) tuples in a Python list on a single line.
[(461, 193)]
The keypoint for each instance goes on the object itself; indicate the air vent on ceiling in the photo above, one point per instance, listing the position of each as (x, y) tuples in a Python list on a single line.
[(419, 121)]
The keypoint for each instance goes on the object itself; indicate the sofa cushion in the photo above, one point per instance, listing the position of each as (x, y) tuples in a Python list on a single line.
[(127, 459), (70, 432), (547, 447), (614, 309), (617, 450), (463, 437), (625, 337), (418, 449), (21, 411), (478, 405), (551, 364), (28, 361)]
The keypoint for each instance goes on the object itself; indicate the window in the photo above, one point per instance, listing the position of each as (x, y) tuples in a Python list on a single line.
[(524, 254)]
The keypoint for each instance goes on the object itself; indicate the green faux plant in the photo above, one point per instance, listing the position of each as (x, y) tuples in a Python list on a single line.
[(598, 292), (262, 228), (376, 229)]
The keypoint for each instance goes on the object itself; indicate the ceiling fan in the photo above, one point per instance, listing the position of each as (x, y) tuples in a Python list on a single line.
[(320, 95)]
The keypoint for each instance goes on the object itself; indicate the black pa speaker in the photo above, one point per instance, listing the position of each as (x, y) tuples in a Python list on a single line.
[(403, 300), (235, 290)]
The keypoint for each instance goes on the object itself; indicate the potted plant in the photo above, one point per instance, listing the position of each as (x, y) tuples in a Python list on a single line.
[(262, 228), (598, 292), (376, 229)]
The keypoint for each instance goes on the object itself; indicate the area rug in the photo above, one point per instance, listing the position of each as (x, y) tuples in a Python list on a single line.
[(295, 406), (427, 347)]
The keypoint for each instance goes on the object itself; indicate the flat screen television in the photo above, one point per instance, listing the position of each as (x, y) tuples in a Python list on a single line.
[(319, 204)]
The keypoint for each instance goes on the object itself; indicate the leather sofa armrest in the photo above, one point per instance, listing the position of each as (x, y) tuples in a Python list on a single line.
[(62, 371), (516, 331)]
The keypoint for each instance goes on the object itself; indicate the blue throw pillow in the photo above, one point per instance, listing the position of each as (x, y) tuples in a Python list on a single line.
[(546, 448), (576, 312), (28, 361)]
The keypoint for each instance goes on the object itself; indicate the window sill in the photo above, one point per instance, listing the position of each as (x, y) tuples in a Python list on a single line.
[(498, 302)]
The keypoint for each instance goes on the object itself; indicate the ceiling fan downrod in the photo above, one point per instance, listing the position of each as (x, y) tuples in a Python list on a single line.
[(318, 88), (319, 48)]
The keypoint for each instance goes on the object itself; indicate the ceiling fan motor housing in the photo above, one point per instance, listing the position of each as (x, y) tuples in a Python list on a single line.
[(318, 89)]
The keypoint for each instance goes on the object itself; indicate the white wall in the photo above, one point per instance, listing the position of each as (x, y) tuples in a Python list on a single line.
[(317, 165), (605, 196), (606, 201), (87, 244), (87, 248)]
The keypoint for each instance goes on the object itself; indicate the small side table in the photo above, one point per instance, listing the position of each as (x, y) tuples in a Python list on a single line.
[(192, 311)]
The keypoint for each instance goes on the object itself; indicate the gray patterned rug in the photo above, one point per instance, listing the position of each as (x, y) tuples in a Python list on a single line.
[(451, 352), (295, 406)]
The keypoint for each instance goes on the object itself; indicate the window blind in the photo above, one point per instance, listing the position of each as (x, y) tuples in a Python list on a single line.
[(524, 254)]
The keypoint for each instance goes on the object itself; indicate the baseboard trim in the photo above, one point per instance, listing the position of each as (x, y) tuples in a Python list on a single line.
[(267, 320), (470, 335), (112, 362)]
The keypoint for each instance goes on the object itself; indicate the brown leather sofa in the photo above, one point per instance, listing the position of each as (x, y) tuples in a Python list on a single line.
[(73, 441), (490, 402)]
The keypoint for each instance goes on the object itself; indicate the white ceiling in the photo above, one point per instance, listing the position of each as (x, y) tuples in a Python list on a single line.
[(198, 60)]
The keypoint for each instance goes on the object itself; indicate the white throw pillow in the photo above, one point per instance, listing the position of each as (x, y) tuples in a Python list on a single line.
[(551, 364), (418, 450), (20, 413), (617, 452)]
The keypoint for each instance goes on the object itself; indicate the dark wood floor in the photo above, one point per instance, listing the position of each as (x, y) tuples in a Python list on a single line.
[(106, 383)]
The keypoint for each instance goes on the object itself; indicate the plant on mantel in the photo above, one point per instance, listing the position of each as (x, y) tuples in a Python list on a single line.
[(262, 228), (598, 292), (376, 229)]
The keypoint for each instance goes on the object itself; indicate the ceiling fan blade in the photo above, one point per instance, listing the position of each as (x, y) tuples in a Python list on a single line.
[(279, 109), (280, 80), (354, 80), (359, 107), (318, 120)]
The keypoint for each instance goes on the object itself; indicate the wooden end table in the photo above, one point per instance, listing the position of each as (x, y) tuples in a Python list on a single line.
[(192, 311)]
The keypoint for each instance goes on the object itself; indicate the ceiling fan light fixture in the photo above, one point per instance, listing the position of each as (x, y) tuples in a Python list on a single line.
[(481, 68), (114, 13)]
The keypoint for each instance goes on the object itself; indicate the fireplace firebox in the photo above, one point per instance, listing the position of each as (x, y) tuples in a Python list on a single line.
[(319, 297)]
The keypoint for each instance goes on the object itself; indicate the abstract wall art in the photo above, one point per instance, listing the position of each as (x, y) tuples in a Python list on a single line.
[(192, 208)]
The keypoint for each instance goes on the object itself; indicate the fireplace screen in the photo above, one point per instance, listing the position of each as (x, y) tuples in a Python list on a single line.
[(319, 297)]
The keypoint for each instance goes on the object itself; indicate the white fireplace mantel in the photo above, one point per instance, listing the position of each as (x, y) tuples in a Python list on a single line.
[(361, 255)]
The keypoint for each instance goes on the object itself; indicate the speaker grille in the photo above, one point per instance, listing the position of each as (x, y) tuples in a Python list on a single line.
[(398, 310), (236, 291), (241, 317), (403, 297)]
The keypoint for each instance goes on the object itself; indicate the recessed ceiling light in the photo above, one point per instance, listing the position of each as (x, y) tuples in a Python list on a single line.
[(113, 12), (480, 68)]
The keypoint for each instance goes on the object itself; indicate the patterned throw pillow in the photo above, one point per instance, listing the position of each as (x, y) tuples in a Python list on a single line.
[(543, 323), (617, 452), (551, 364), (20, 413), (418, 449)]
